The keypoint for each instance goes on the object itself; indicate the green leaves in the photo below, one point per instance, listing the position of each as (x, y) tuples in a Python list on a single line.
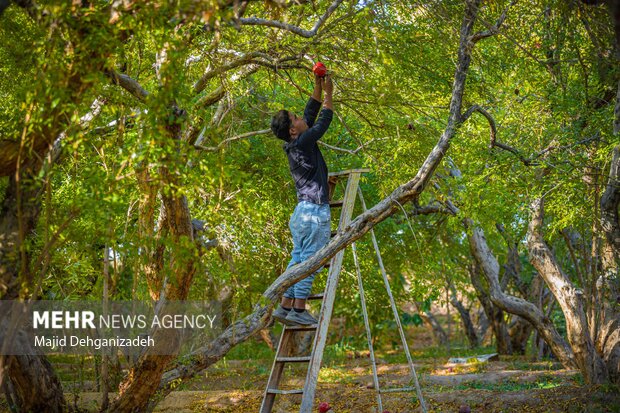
[(544, 80)]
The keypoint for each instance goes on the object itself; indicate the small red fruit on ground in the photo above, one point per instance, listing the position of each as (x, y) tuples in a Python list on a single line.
[(324, 407)]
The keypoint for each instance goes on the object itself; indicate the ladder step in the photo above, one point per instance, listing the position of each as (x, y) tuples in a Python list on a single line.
[(278, 391), (315, 297), (348, 172), (308, 327), (303, 359), (397, 390), (336, 204)]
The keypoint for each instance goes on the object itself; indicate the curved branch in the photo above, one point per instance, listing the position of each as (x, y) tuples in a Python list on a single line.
[(349, 151), (570, 298), (435, 208), (253, 59), (256, 21), (129, 84), (492, 30), (245, 59), (483, 112), (234, 138), (532, 160), (515, 305)]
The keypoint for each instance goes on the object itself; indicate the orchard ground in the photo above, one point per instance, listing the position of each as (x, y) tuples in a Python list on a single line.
[(236, 383)]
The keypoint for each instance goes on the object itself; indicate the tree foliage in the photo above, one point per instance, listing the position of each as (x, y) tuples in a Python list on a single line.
[(182, 84)]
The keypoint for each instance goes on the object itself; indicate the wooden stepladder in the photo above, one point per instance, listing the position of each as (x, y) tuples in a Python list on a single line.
[(328, 297)]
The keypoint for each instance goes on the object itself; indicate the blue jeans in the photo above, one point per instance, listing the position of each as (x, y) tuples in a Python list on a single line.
[(310, 227)]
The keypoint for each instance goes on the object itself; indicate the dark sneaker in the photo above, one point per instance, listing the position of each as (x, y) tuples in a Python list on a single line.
[(280, 314), (304, 319)]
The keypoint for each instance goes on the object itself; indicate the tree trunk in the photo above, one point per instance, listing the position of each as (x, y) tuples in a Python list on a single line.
[(468, 325), (494, 314), (609, 206), (33, 380), (570, 299), (607, 339), (429, 319), (519, 332), (520, 329), (174, 222), (515, 305)]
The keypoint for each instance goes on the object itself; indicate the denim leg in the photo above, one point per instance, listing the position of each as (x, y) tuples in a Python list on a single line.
[(315, 230), (295, 228)]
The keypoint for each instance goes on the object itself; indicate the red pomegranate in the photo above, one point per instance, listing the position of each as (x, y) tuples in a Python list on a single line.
[(319, 69), (324, 407)]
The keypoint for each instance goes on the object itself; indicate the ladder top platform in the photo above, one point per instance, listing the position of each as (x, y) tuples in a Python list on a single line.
[(349, 171)]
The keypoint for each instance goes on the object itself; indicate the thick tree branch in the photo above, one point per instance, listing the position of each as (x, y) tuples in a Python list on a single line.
[(515, 305), (129, 84), (569, 298), (255, 21), (435, 208)]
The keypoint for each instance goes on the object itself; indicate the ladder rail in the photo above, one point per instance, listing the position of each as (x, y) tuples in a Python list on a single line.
[(320, 337), (375, 376), (386, 282), (276, 374)]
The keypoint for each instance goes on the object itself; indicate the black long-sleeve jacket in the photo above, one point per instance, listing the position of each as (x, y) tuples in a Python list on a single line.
[(305, 159)]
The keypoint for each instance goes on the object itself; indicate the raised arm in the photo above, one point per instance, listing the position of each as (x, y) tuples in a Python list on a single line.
[(318, 88), (328, 86), (314, 104), (318, 129)]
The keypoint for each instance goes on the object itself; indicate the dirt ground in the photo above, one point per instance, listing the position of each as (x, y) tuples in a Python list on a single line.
[(510, 384), (496, 386)]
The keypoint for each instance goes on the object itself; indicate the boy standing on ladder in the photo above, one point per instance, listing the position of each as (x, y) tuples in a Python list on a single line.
[(310, 222)]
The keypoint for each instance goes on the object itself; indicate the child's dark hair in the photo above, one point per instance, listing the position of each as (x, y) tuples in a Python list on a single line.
[(280, 125)]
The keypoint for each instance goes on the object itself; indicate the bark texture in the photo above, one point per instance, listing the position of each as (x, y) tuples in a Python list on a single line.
[(468, 325), (441, 338), (607, 339), (516, 305), (494, 313), (34, 383), (570, 299), (137, 391)]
